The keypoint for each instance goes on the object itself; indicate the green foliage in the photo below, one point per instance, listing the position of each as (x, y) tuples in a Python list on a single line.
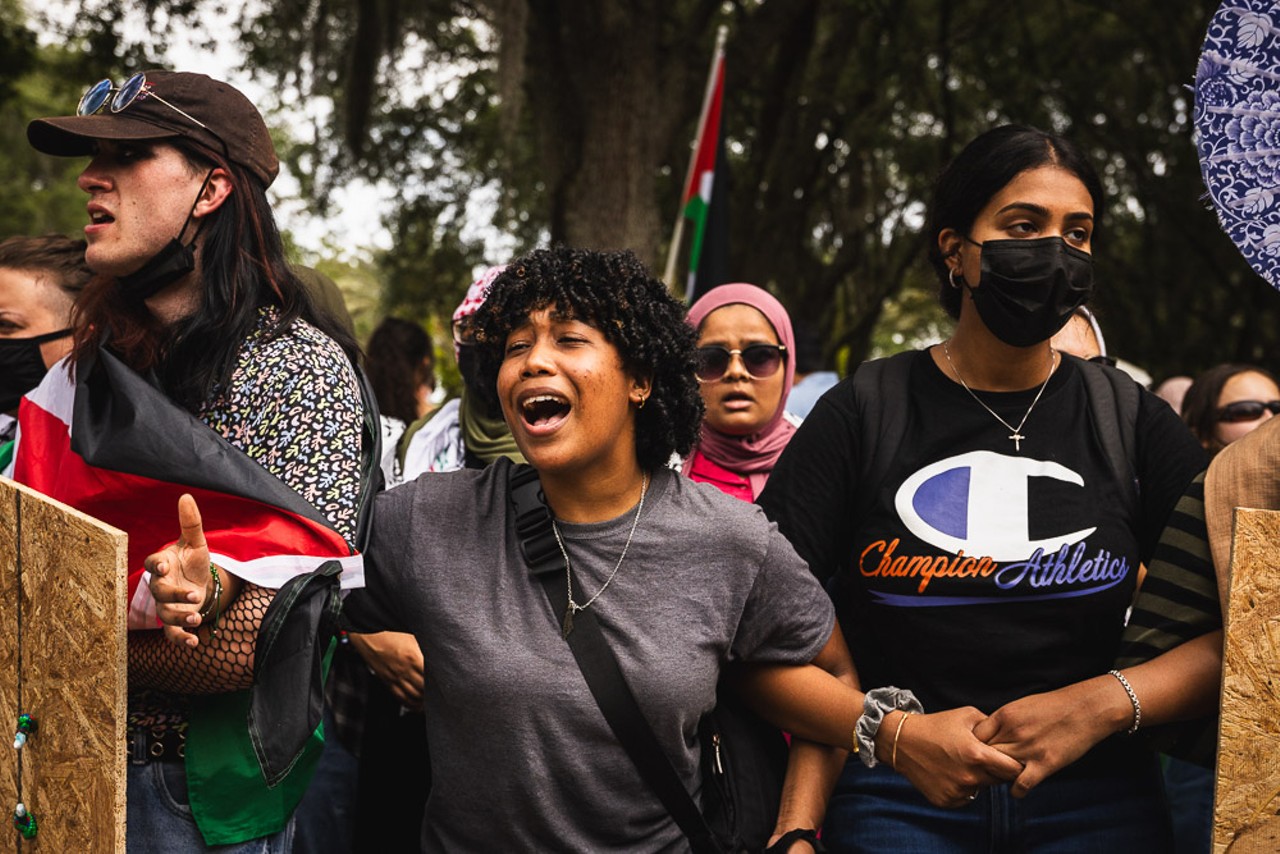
[(576, 120), (40, 192)]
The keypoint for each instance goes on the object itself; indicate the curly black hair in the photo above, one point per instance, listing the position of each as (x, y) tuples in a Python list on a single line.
[(613, 292)]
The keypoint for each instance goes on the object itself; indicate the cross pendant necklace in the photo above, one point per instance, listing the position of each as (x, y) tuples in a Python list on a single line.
[(1015, 432)]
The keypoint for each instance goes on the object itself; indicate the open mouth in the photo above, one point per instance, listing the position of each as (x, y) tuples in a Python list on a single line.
[(100, 217), (543, 410)]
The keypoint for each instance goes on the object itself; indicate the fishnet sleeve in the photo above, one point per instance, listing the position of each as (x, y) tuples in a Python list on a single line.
[(218, 665)]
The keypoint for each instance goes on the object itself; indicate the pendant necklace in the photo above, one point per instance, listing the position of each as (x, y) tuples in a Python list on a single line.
[(1016, 432), (573, 607)]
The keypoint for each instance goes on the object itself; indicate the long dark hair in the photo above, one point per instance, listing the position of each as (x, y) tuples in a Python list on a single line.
[(982, 169), (394, 363), (241, 267)]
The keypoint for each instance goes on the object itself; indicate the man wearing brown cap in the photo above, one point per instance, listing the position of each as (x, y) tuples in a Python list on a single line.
[(203, 370)]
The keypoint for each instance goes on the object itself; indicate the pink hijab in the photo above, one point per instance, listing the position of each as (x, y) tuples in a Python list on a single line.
[(754, 455)]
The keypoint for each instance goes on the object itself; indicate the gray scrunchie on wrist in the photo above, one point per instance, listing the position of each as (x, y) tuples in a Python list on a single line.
[(878, 703)]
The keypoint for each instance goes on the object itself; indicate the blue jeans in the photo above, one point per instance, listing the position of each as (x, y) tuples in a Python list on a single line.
[(326, 817), (1190, 791), (159, 816), (1109, 802)]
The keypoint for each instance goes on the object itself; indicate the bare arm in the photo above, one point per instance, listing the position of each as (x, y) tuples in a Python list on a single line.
[(938, 753), (1050, 731), (813, 768)]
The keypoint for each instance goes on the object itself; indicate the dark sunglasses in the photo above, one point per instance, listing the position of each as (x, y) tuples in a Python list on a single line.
[(98, 96), (761, 361), (1247, 410)]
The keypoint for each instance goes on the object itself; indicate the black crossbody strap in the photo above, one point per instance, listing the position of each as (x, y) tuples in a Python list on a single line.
[(599, 666)]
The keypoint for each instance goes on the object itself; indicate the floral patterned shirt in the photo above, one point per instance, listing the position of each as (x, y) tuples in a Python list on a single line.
[(293, 406)]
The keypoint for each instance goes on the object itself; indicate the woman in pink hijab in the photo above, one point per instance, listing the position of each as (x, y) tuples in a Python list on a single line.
[(746, 364)]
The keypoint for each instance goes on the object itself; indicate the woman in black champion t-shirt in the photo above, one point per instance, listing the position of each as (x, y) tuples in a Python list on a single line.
[(988, 571)]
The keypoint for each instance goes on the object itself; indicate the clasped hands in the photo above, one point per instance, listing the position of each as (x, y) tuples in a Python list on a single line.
[(948, 756)]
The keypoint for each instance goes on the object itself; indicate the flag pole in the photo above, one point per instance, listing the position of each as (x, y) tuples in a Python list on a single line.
[(669, 275)]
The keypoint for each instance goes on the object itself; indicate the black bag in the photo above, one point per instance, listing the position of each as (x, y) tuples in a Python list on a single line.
[(744, 761), (743, 758)]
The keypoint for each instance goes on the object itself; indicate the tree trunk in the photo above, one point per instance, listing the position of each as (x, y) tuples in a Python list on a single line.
[(595, 94)]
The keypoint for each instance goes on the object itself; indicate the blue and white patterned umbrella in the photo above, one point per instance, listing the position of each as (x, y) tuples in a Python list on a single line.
[(1237, 127)]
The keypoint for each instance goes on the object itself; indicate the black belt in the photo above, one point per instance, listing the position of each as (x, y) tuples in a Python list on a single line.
[(156, 745)]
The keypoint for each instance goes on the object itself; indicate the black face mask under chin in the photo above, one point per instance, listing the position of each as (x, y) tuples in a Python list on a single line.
[(165, 267), (1030, 288), (22, 367), (168, 265)]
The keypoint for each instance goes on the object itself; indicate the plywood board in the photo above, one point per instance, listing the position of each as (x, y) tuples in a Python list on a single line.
[(9, 499), (1248, 779), (71, 671)]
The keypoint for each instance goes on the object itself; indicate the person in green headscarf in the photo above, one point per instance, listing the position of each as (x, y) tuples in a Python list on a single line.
[(467, 431), (464, 432)]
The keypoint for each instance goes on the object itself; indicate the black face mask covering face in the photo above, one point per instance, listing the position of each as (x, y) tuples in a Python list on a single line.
[(470, 369), (168, 265), (1029, 288), (22, 367)]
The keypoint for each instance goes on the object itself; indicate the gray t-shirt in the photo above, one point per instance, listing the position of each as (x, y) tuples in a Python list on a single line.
[(521, 757)]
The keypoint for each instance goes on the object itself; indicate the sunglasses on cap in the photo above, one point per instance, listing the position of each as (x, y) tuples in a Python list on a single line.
[(761, 361), (1247, 410), (135, 88)]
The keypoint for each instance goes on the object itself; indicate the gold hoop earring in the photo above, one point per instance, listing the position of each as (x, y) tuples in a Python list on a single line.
[(640, 402)]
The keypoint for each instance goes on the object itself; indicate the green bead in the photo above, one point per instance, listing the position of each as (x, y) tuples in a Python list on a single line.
[(25, 822)]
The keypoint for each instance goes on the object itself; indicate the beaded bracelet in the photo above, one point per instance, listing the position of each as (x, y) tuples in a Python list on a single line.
[(213, 604), (1133, 698)]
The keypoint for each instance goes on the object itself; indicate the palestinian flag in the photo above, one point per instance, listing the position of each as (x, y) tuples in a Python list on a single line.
[(706, 197), (109, 444)]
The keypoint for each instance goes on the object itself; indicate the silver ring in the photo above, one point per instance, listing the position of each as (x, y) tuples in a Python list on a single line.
[(974, 796)]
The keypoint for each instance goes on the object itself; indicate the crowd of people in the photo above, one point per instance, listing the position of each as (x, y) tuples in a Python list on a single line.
[(943, 576)]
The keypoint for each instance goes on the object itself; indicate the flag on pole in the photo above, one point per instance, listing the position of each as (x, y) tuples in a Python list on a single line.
[(705, 203)]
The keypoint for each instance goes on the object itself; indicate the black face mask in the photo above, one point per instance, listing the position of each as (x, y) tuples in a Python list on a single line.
[(21, 366), (168, 265), (472, 377), (165, 267), (1029, 288)]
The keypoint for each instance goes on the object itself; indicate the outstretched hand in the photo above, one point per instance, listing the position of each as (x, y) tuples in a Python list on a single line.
[(942, 758), (180, 577)]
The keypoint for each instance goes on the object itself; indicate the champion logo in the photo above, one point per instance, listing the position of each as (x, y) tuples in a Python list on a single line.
[(976, 502)]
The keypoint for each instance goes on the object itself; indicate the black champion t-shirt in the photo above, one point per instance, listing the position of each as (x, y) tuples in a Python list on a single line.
[(983, 572)]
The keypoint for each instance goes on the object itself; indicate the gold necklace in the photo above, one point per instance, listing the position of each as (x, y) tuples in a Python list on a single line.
[(1016, 432)]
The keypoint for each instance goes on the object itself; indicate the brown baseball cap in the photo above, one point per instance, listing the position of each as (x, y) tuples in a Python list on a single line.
[(171, 104)]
